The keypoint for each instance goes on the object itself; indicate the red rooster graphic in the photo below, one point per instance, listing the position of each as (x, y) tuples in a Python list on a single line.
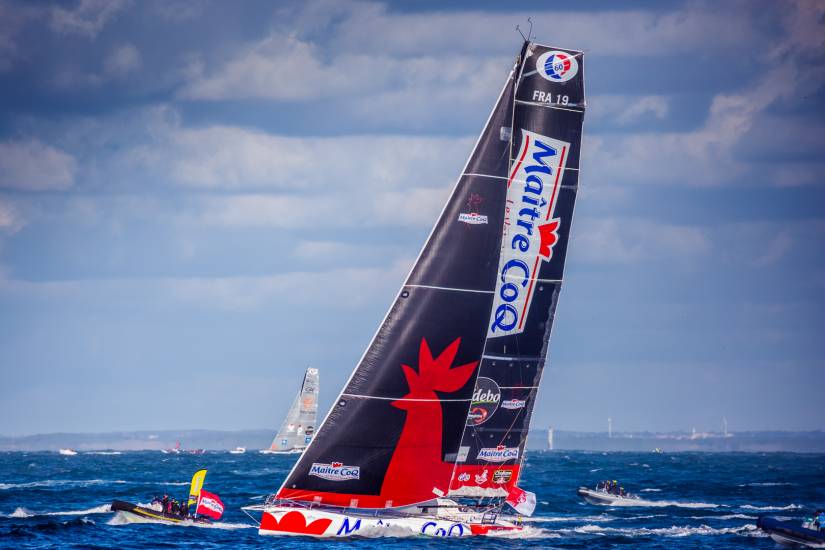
[(418, 454)]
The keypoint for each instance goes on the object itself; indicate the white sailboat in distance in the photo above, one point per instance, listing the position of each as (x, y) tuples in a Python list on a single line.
[(298, 427)]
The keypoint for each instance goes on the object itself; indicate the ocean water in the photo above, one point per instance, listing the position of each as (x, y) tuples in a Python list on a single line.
[(691, 500)]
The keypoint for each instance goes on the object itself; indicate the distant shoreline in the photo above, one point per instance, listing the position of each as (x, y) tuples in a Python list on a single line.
[(217, 440)]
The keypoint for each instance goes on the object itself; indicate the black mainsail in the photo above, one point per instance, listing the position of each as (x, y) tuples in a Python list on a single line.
[(397, 435)]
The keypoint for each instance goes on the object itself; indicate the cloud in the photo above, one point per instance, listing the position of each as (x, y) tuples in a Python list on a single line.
[(411, 207), (283, 67), (88, 18), (35, 166), (10, 218), (372, 27), (122, 60), (629, 240), (234, 158), (351, 287), (712, 154)]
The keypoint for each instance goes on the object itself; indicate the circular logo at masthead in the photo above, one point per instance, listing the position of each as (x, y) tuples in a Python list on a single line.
[(557, 66), (486, 398)]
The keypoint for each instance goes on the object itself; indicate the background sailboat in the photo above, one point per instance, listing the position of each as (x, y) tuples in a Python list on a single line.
[(298, 427)]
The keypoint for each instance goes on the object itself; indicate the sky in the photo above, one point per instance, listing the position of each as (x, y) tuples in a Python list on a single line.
[(199, 199)]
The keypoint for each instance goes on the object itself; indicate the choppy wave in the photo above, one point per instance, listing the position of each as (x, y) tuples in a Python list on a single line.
[(650, 490), (21, 512), (766, 484), (640, 502), (83, 483), (527, 532), (771, 508), (673, 531), (103, 453), (725, 517), (121, 518)]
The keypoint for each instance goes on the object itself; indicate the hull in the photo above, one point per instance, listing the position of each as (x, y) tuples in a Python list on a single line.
[(289, 452), (602, 498), (792, 534), (140, 514), (340, 523)]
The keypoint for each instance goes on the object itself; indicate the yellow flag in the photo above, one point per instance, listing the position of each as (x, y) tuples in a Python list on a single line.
[(197, 485)]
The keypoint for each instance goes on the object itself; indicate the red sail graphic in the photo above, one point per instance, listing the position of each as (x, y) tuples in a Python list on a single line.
[(419, 448)]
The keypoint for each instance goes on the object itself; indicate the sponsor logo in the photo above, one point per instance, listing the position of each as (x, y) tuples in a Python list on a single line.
[(557, 66), (486, 397), (530, 229), (464, 476), (502, 476), (473, 217), (335, 471), (433, 528), (513, 404), (346, 528), (481, 478), (498, 454)]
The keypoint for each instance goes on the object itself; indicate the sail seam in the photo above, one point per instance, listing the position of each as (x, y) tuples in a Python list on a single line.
[(537, 104), (503, 358), (453, 289), (515, 180), (405, 399)]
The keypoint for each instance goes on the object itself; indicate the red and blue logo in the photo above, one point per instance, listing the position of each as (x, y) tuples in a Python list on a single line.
[(557, 66)]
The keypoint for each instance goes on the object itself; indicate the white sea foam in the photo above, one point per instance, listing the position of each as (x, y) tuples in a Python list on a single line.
[(59, 483), (121, 518), (771, 508), (650, 490), (528, 532), (766, 484), (640, 502), (727, 516), (22, 512), (83, 483), (564, 519), (673, 531), (594, 470)]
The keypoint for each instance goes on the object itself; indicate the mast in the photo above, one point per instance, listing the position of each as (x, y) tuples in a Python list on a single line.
[(392, 437), (542, 182)]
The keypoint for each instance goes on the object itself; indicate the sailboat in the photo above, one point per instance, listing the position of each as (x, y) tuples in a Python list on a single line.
[(299, 425), (429, 432)]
